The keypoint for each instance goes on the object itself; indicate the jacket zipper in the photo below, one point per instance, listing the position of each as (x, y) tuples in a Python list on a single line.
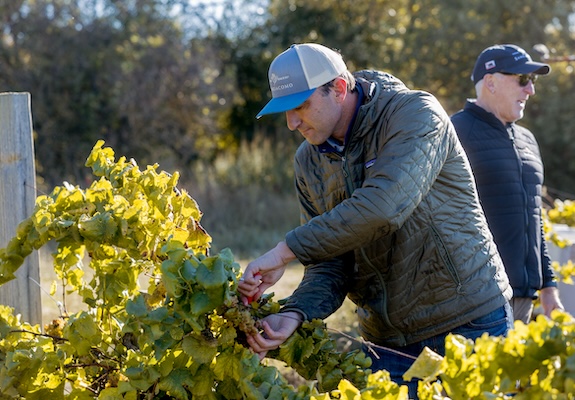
[(511, 133), (385, 316), (446, 257)]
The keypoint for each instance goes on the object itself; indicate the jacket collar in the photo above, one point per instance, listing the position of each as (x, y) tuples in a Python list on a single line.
[(472, 107), (377, 90), (327, 147)]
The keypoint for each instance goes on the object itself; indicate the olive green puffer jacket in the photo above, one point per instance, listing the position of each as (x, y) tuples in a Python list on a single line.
[(394, 222)]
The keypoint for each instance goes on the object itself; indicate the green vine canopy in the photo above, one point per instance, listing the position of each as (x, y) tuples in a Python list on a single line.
[(162, 319)]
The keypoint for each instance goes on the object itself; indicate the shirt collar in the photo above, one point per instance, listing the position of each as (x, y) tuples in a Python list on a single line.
[(330, 145)]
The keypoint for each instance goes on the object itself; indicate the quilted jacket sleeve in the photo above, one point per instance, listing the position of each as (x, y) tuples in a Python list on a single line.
[(322, 289)]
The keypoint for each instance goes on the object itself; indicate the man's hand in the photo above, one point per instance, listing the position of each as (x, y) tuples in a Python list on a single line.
[(264, 272), (277, 328), (550, 300)]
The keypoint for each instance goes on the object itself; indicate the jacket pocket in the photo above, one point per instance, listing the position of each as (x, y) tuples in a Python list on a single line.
[(443, 253)]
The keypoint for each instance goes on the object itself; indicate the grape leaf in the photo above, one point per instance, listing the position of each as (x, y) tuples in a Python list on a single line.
[(200, 350), (428, 365)]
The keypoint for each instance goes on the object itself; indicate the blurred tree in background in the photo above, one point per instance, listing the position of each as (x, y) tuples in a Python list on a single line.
[(178, 83), (122, 71)]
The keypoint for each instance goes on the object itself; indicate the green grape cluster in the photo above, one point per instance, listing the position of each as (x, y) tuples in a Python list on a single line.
[(242, 318), (247, 317)]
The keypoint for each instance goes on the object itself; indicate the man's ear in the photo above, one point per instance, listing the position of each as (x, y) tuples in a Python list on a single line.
[(489, 83), (340, 88)]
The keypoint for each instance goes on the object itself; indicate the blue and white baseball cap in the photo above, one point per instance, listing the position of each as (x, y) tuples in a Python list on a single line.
[(297, 72)]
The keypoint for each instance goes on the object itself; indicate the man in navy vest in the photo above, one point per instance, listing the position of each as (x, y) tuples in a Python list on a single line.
[(508, 170)]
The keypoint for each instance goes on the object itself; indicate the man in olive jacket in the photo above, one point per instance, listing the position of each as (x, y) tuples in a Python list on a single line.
[(389, 215)]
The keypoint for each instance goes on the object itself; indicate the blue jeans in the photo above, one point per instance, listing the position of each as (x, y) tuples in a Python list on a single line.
[(397, 360)]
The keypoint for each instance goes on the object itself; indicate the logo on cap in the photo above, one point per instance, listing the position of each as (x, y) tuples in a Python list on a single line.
[(274, 79), (490, 64), (519, 56)]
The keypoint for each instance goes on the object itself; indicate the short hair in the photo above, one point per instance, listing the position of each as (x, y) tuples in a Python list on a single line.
[(346, 76), (478, 87)]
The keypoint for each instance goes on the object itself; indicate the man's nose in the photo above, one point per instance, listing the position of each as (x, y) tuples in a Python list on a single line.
[(293, 121), (530, 88)]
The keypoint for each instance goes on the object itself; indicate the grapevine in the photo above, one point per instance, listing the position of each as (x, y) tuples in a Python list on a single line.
[(535, 361), (179, 335), (163, 319), (563, 212)]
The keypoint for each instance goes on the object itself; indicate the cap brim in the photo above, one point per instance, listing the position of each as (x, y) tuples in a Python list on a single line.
[(530, 67), (285, 103)]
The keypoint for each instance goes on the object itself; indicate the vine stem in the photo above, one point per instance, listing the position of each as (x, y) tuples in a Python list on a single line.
[(39, 334), (58, 303), (370, 346)]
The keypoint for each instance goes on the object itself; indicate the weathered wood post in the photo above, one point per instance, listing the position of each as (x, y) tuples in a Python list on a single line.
[(17, 198)]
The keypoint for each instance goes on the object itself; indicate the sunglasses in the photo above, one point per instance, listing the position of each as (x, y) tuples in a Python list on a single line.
[(523, 78)]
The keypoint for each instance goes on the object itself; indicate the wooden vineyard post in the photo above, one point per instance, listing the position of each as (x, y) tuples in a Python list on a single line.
[(17, 198)]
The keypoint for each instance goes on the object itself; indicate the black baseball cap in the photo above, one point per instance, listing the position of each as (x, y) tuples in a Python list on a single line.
[(506, 58)]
